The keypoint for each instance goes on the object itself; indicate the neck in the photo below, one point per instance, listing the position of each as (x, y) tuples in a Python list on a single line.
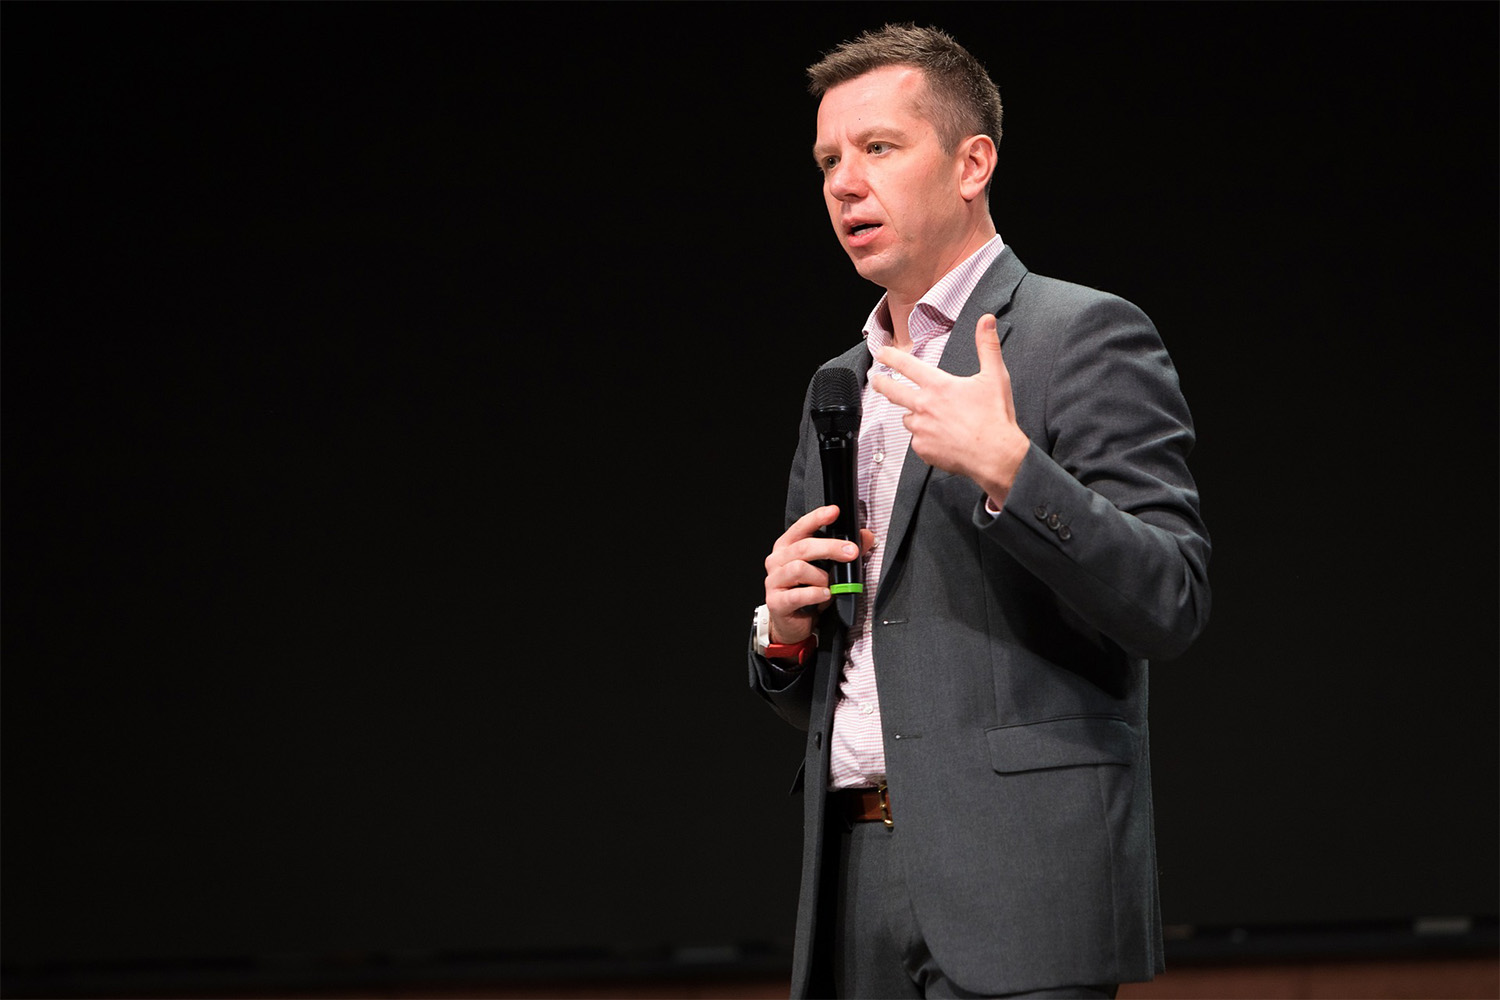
[(901, 302), (900, 315)]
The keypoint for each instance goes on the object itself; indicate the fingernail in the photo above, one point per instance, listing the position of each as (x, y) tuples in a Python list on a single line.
[(850, 550)]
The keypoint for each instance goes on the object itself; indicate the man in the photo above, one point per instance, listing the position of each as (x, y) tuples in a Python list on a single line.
[(977, 774)]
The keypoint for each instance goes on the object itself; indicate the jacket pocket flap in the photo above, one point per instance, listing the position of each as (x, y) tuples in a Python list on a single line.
[(1089, 739)]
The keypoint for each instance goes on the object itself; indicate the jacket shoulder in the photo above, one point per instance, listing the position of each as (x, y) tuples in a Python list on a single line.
[(1054, 297)]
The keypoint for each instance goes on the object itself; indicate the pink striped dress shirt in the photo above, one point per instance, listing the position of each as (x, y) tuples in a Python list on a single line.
[(858, 754)]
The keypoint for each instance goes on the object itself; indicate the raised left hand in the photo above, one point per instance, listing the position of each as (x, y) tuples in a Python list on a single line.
[(963, 425)]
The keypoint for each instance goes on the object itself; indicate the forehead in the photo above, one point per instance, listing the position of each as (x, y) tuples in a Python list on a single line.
[(889, 96)]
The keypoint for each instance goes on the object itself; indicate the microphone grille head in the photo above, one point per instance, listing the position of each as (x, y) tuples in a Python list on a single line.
[(835, 389)]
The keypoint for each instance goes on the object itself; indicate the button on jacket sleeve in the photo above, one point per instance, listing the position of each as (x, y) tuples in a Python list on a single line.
[(1103, 509)]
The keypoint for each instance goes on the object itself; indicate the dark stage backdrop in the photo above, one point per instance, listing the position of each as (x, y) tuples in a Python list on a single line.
[(397, 402)]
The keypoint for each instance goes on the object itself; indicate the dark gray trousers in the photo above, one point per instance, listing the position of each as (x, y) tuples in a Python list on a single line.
[(878, 950)]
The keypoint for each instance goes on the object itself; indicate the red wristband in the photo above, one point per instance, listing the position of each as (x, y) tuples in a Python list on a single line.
[(803, 652)]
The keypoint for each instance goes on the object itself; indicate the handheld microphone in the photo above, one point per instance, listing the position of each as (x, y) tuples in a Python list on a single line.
[(835, 414)]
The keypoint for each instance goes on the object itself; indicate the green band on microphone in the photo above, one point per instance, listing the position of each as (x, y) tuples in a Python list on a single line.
[(847, 588)]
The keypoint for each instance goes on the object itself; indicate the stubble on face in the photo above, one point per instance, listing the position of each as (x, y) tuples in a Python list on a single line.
[(891, 189)]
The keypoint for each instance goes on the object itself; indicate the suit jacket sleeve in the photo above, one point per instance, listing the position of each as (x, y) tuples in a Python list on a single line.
[(790, 695), (1103, 509)]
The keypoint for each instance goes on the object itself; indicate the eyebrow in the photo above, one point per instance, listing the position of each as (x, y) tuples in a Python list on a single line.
[(862, 137)]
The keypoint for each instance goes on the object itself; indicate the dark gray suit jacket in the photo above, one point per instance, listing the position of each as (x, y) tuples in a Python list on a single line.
[(1011, 654)]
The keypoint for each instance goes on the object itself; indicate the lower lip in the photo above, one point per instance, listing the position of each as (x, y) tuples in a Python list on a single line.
[(864, 236)]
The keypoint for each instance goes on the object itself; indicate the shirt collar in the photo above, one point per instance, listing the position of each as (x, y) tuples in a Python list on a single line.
[(936, 311)]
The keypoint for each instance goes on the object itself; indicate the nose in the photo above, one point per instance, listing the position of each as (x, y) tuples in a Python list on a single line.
[(846, 180)]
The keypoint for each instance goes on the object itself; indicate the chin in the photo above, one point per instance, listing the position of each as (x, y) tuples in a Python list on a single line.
[(871, 269)]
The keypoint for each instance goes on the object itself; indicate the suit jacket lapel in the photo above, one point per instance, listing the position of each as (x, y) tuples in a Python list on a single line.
[(992, 294)]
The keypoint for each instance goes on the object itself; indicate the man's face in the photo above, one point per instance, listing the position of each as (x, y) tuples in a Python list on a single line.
[(891, 190)]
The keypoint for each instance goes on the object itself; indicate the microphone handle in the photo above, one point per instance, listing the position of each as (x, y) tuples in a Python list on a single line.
[(837, 452)]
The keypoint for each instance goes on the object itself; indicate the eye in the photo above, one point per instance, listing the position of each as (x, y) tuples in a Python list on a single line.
[(827, 163), (878, 147)]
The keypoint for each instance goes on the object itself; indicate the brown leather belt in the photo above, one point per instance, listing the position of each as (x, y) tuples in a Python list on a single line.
[(866, 805)]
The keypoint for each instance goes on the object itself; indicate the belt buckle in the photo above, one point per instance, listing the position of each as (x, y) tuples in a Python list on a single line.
[(885, 805)]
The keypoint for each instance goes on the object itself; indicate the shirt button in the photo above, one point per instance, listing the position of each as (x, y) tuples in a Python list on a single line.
[(868, 710), (879, 457)]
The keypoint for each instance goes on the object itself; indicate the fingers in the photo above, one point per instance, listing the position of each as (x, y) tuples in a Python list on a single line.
[(992, 361), (904, 396), (808, 525), (913, 368), (796, 586), (796, 594), (987, 344), (800, 545)]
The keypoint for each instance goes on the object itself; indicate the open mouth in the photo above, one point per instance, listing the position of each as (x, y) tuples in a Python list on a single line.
[(863, 227)]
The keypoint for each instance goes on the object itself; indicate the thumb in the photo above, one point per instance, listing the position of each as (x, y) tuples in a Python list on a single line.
[(987, 343)]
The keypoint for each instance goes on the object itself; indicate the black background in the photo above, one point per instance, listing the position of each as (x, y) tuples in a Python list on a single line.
[(397, 402)]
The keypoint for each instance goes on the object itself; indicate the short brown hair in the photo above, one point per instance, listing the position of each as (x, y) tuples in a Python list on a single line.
[(965, 101)]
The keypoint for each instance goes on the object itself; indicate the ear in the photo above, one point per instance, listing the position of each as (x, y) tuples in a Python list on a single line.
[(976, 159)]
